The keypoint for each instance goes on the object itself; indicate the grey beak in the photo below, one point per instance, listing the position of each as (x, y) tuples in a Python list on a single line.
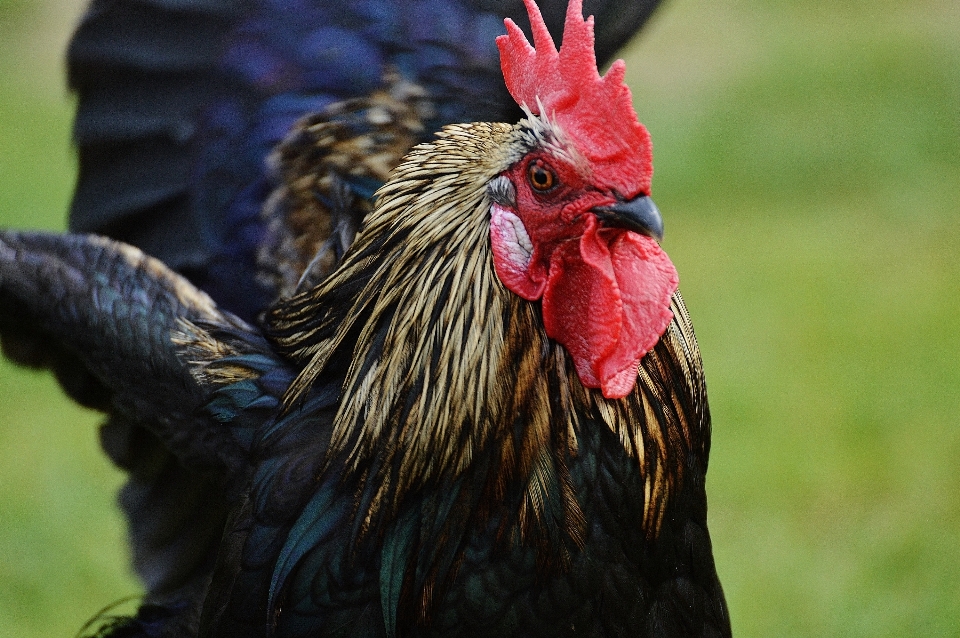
[(639, 214)]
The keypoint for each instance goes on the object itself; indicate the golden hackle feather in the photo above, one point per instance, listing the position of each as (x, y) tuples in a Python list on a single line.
[(444, 361)]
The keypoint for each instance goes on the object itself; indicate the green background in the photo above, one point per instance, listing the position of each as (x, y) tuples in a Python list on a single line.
[(808, 169)]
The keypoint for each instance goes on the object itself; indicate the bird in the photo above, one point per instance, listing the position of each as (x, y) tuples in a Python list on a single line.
[(458, 392)]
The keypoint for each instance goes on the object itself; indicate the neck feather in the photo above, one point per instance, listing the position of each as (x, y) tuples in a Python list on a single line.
[(442, 365)]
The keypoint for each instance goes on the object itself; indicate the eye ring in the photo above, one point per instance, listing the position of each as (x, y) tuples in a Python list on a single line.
[(541, 177)]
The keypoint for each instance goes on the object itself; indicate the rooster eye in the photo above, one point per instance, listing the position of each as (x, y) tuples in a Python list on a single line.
[(541, 177)]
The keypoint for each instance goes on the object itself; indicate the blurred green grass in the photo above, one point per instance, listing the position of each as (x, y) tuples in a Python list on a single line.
[(63, 552), (808, 167)]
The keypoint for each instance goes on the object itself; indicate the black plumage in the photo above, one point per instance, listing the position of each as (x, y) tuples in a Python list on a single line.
[(382, 440)]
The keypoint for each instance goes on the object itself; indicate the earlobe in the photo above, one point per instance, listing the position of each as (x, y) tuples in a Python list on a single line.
[(513, 253)]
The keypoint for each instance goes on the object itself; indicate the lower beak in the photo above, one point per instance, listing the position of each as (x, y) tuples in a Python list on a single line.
[(639, 214)]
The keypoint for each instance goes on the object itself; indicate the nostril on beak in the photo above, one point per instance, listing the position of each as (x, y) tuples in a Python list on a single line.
[(639, 214)]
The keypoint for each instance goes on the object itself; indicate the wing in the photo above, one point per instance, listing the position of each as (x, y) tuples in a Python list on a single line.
[(112, 309), (129, 336), (181, 101)]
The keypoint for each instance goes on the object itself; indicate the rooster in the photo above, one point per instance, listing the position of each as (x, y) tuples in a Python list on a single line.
[(482, 415)]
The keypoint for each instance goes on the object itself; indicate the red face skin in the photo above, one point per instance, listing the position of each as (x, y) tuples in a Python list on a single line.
[(550, 216), (606, 291)]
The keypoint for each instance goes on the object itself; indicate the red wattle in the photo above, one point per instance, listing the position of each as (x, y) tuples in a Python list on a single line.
[(607, 301)]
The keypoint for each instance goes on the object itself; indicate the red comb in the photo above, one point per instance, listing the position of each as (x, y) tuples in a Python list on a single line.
[(595, 112)]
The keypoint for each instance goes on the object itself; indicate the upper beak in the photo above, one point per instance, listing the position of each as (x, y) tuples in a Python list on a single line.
[(639, 214)]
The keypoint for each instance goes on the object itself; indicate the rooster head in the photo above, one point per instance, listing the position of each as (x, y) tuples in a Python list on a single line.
[(572, 222)]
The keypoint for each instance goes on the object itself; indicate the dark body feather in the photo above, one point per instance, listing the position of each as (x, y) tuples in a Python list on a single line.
[(491, 495)]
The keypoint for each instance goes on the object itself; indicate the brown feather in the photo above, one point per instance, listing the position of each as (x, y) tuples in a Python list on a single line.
[(358, 138)]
